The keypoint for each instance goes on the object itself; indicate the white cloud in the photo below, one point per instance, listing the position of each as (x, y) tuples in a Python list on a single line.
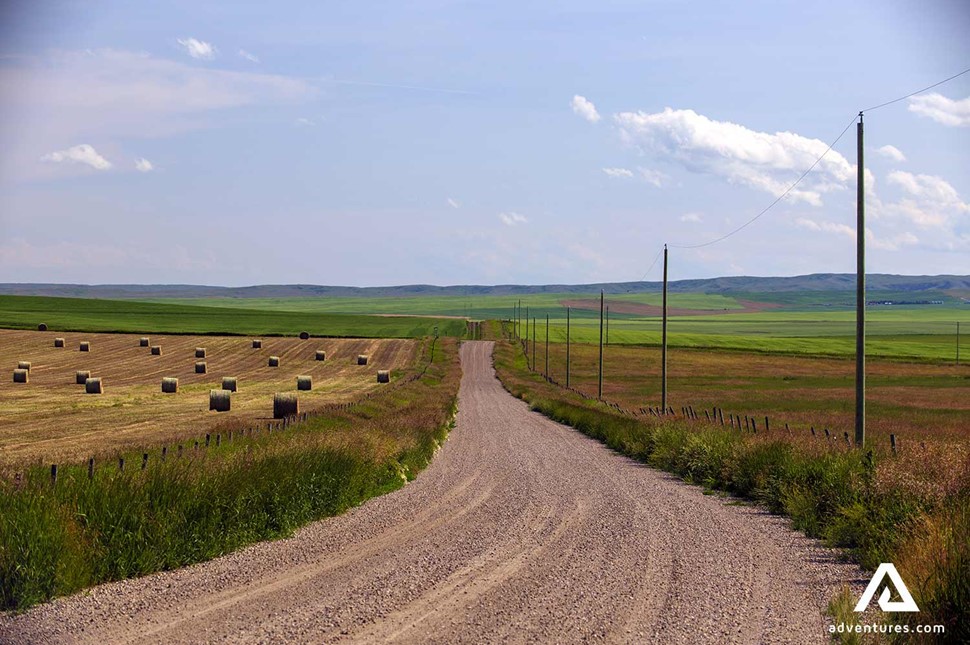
[(250, 57), (942, 109), (892, 152), (930, 202), (890, 243), (512, 219), (197, 48), (690, 217), (618, 172), (453, 203), (769, 162), (827, 227), (654, 177), (305, 121), (144, 165), (83, 153), (585, 109)]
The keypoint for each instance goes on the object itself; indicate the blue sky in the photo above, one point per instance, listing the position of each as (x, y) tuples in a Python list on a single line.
[(375, 143)]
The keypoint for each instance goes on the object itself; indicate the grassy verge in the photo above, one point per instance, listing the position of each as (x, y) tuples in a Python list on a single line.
[(848, 498), (207, 501)]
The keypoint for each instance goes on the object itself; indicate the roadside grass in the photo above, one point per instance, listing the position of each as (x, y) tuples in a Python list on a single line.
[(58, 539), (126, 316), (879, 507)]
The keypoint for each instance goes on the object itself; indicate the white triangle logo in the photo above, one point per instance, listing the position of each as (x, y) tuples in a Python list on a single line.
[(887, 569)]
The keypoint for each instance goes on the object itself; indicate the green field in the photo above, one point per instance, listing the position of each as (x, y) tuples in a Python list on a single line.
[(817, 323), (125, 316)]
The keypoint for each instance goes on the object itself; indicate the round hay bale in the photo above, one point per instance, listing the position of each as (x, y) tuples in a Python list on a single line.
[(362, 359), (85, 346), (21, 376), (200, 367), (58, 342), (200, 352), (304, 383), (383, 376), (220, 400), (42, 327), (143, 341), (81, 376), (170, 385), (285, 404), (229, 383), (274, 361), (156, 350), (321, 355), (257, 344), (93, 386), (23, 365), (304, 335)]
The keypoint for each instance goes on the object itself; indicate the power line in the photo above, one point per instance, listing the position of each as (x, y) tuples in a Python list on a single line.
[(903, 98), (651, 265), (772, 204)]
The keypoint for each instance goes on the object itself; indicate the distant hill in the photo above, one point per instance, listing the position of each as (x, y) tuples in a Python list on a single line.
[(828, 282)]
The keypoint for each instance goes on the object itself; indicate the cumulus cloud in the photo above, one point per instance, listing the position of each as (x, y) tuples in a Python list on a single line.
[(892, 152), (453, 203), (144, 165), (619, 173), (512, 219), (768, 162), (654, 177), (930, 200), (250, 57), (197, 48), (690, 217), (827, 227), (954, 113), (305, 121), (585, 109), (890, 243), (83, 154)]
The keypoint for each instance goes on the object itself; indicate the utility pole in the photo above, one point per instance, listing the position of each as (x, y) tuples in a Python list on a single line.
[(547, 346), (518, 325), (600, 388), (663, 343), (567, 346), (533, 344), (528, 359), (958, 342), (860, 296)]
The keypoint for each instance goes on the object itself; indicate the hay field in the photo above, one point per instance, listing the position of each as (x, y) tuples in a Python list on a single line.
[(51, 419)]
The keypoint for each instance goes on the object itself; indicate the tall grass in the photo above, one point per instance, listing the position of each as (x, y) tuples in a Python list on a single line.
[(843, 497), (57, 539)]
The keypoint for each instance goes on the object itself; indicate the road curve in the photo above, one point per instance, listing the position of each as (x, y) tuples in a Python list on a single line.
[(521, 530)]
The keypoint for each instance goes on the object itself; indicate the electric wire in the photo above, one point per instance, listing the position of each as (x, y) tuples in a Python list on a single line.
[(903, 98)]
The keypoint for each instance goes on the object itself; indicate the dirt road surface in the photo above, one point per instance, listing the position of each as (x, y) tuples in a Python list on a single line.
[(521, 530)]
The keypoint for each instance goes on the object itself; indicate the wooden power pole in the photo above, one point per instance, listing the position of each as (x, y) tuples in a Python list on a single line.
[(860, 296), (547, 346), (599, 390), (663, 343), (567, 347)]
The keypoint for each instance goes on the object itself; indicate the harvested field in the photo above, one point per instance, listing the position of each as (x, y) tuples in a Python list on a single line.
[(50, 419), (915, 401)]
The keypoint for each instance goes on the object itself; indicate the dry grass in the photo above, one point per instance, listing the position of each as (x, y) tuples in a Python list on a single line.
[(51, 420)]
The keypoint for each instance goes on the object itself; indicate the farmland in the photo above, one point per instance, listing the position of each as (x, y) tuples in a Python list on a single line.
[(810, 323), (51, 418), (80, 314)]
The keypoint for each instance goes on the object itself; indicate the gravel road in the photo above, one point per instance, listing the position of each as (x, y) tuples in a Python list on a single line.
[(521, 530)]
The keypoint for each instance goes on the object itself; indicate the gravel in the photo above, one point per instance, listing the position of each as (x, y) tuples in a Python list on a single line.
[(521, 530)]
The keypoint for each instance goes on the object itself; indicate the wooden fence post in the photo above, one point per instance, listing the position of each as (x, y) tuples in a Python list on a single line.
[(91, 468), (892, 442), (53, 474)]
